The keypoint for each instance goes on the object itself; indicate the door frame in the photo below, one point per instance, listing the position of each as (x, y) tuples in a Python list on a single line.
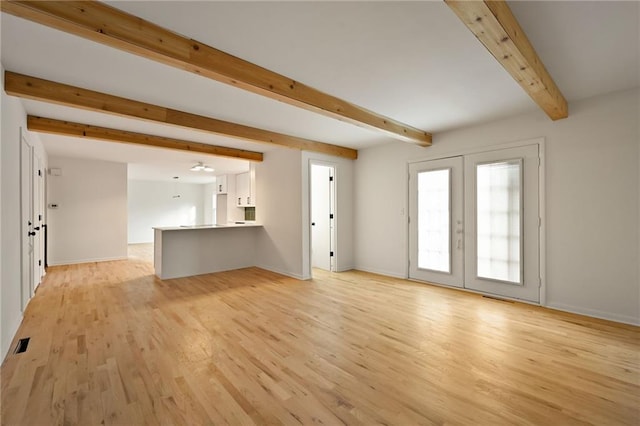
[(541, 204), (26, 190)]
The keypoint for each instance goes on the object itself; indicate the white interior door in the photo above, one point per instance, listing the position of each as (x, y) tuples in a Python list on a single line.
[(321, 216), (26, 219), (436, 245), (474, 222), (38, 220), (502, 223)]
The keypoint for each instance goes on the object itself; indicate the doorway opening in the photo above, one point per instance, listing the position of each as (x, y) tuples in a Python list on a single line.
[(322, 179)]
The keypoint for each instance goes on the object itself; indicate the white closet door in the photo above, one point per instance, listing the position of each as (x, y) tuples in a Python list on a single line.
[(502, 223), (436, 244)]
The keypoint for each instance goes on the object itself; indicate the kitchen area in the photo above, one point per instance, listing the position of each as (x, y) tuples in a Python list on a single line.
[(199, 217), (228, 243)]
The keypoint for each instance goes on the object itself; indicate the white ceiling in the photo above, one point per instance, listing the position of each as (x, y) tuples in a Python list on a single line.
[(412, 61)]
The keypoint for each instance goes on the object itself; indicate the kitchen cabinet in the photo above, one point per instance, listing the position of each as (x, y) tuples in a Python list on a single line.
[(221, 184), (246, 188)]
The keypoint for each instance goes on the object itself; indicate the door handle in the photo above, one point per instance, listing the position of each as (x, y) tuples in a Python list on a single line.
[(30, 234), (313, 224), (37, 228)]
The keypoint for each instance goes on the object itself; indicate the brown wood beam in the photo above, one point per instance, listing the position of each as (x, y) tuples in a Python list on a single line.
[(498, 30), (110, 26), (68, 128), (49, 91)]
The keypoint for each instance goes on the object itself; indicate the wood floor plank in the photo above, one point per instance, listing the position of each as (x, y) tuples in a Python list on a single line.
[(113, 344)]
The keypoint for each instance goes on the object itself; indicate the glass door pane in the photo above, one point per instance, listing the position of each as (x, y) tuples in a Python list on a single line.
[(434, 220), (499, 220)]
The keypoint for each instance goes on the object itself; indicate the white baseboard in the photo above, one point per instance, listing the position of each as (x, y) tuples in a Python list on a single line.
[(594, 313), (381, 272), (78, 261), (12, 334), (286, 273), (346, 268)]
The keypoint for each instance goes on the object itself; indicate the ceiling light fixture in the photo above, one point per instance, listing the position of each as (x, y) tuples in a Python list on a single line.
[(201, 168)]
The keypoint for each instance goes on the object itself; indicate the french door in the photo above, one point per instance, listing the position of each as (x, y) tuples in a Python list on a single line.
[(474, 222), (436, 249)]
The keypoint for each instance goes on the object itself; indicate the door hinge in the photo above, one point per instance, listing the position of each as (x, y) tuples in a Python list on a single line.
[(39, 172), (40, 217), (330, 178), (39, 262), (330, 215), (539, 222), (330, 254)]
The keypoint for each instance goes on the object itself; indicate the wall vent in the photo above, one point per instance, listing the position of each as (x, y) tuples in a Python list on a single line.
[(22, 345)]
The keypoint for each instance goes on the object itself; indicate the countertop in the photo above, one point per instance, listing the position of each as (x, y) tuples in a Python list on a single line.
[(247, 224)]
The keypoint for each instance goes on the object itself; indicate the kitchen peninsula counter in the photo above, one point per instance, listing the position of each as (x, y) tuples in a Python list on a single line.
[(183, 251)]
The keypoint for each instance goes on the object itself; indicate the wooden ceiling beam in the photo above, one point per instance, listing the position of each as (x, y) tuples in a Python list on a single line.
[(49, 91), (493, 23), (86, 131), (110, 26)]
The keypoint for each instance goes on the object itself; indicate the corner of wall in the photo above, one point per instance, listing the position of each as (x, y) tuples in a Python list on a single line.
[(278, 210)]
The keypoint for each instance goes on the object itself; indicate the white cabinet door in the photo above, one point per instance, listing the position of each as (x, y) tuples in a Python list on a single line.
[(252, 186), (221, 184), (243, 189), (246, 189)]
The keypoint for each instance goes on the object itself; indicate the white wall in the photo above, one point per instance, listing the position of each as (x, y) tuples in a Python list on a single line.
[(592, 201), (90, 223), (345, 210), (13, 117), (279, 210), (152, 203)]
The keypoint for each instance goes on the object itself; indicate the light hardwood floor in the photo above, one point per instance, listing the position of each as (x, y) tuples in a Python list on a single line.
[(112, 344), (142, 251)]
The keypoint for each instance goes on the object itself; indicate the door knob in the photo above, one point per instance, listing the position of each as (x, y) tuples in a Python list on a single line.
[(37, 228), (30, 234), (313, 224)]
